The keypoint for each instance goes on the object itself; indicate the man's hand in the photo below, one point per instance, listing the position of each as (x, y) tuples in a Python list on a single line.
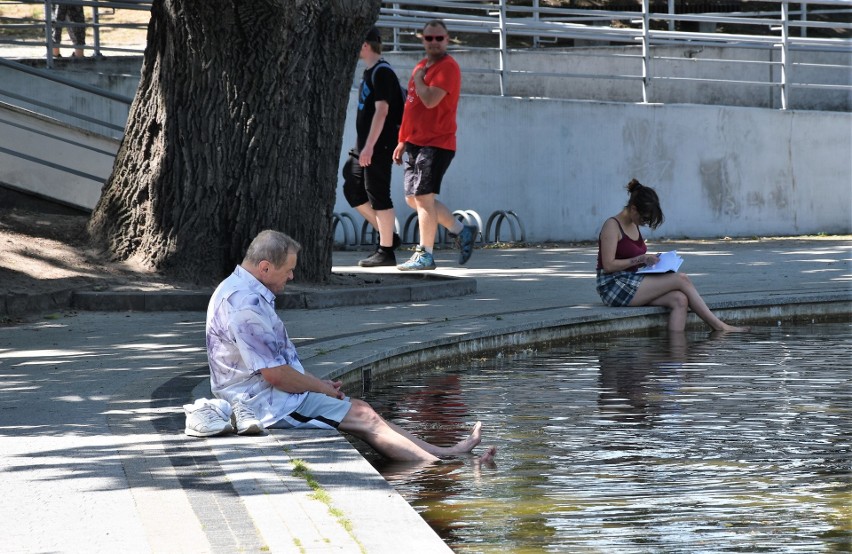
[(430, 96), (420, 74), (366, 156), (286, 378), (335, 385), (397, 153)]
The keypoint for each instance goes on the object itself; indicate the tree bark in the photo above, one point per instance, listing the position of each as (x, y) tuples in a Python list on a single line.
[(236, 127)]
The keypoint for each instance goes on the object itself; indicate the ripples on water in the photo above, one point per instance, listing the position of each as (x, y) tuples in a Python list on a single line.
[(690, 443)]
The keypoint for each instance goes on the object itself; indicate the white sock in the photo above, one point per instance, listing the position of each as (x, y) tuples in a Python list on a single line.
[(457, 227)]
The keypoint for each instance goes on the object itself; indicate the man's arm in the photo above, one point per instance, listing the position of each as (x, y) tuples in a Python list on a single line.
[(285, 378), (376, 126), (430, 96)]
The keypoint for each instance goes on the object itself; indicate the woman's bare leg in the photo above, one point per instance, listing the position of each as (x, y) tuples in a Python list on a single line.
[(669, 290)]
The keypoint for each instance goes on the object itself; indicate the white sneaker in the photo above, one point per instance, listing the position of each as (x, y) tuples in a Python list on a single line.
[(205, 420), (246, 422)]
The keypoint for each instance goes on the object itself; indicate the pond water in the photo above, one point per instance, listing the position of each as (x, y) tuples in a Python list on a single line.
[(682, 443)]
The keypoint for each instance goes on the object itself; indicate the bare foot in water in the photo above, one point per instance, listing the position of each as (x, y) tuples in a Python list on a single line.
[(471, 442), (487, 457), (731, 329)]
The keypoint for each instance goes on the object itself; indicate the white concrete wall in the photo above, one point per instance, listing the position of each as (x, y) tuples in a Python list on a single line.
[(720, 171), (562, 165)]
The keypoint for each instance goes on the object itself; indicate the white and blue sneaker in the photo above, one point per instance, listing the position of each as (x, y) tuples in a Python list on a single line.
[(464, 241), (420, 260)]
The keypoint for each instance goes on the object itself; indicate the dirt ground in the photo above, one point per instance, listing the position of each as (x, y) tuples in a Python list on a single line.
[(47, 252)]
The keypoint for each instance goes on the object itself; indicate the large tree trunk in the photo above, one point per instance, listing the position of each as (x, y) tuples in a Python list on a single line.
[(236, 127)]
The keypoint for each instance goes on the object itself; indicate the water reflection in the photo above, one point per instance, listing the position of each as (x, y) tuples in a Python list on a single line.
[(677, 442)]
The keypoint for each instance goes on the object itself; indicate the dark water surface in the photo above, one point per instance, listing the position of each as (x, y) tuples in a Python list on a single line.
[(684, 443)]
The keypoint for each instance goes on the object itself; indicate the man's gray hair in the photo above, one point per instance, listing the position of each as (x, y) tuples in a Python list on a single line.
[(435, 23), (272, 246)]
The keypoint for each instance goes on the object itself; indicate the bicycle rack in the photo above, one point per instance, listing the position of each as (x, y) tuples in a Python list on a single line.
[(497, 219), (470, 217), (342, 219), (367, 229)]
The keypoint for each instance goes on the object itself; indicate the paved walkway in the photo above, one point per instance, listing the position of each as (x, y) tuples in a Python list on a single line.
[(92, 454)]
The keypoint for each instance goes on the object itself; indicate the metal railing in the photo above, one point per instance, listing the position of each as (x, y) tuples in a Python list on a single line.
[(503, 29), (31, 27), (59, 79), (785, 30)]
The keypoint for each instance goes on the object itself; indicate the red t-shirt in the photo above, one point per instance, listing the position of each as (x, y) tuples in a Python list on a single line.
[(423, 126)]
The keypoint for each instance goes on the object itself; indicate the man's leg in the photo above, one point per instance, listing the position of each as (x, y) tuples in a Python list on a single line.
[(427, 219), (363, 422), (397, 444), (355, 192), (377, 183), (385, 220), (438, 213), (368, 213), (78, 33)]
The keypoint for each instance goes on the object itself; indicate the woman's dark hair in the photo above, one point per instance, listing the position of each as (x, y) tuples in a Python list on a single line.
[(646, 202)]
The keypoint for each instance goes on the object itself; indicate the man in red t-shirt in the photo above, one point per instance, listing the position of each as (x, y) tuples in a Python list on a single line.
[(428, 137)]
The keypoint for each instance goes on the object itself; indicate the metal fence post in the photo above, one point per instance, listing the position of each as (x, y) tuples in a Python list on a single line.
[(48, 32), (536, 41), (671, 12), (646, 50), (396, 29), (504, 54), (785, 53), (96, 31)]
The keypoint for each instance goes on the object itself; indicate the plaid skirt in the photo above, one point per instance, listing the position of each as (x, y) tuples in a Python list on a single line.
[(618, 289)]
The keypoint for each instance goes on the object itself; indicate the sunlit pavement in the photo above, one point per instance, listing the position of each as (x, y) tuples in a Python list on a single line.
[(92, 453)]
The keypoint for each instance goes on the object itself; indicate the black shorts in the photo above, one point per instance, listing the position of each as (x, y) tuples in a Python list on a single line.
[(372, 183), (425, 167)]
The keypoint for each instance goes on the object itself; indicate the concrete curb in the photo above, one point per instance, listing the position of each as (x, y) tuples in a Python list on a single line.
[(534, 329), (12, 305), (423, 287)]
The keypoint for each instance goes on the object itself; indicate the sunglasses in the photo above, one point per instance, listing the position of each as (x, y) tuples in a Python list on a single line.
[(430, 38)]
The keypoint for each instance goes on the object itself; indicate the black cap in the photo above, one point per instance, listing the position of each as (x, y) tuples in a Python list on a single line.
[(373, 35)]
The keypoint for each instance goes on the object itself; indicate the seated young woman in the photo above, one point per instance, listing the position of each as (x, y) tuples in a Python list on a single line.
[(622, 251)]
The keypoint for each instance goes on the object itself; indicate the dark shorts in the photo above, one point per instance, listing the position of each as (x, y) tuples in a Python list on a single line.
[(372, 183), (317, 411), (424, 169), (618, 289), (72, 14)]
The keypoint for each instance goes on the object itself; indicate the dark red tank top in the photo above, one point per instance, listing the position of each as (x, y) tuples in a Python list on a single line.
[(626, 248)]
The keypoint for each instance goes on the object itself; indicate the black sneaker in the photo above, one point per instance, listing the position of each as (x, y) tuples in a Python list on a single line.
[(378, 259)]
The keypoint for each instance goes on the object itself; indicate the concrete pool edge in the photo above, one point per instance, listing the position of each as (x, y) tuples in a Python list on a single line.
[(545, 328)]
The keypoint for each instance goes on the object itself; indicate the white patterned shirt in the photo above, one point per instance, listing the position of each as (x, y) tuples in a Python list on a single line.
[(245, 335)]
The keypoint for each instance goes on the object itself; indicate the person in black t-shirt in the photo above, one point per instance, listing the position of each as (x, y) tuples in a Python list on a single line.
[(367, 172)]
